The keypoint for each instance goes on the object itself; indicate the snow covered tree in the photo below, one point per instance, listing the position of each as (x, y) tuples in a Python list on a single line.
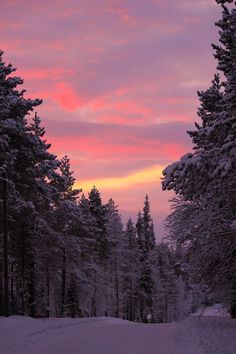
[(98, 210), (35, 189), (207, 176), (101, 251), (146, 242), (149, 237), (67, 210), (113, 271), (140, 231), (68, 180), (87, 268), (21, 160), (131, 269)]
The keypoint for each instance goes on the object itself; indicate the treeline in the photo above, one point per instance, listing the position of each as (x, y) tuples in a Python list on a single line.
[(68, 254), (203, 220)]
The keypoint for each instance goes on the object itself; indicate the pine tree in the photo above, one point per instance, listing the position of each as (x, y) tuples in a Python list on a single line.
[(20, 156), (131, 266), (149, 237), (113, 271), (201, 176), (68, 180), (66, 217), (88, 268), (98, 211), (146, 242), (140, 231)]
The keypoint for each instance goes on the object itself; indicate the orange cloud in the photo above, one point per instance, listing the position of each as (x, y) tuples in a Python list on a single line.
[(151, 174)]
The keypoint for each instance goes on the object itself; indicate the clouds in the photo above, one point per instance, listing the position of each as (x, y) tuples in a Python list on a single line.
[(88, 52), (118, 77), (115, 150)]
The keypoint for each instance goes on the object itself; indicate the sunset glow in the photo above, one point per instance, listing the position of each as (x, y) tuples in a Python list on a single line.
[(119, 81), (141, 177)]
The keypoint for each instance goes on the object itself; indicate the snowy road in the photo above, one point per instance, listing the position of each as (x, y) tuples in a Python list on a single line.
[(22, 335), (84, 336)]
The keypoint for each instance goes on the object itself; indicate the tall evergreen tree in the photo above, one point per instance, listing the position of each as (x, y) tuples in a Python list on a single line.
[(24, 163), (98, 211), (131, 264), (146, 241), (149, 237), (201, 176), (140, 231), (114, 266)]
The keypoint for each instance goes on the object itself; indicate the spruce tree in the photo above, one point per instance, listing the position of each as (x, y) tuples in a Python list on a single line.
[(207, 176), (131, 267), (149, 237), (140, 231), (98, 211), (113, 271), (146, 242), (19, 158)]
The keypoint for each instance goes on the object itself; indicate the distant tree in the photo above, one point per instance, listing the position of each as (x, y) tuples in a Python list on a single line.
[(98, 211), (140, 231), (68, 192), (114, 266), (149, 237), (146, 242), (131, 268)]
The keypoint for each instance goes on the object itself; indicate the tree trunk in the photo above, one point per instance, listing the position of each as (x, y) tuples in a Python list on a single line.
[(48, 295), (12, 289), (23, 274), (32, 292), (5, 248), (63, 295), (131, 301)]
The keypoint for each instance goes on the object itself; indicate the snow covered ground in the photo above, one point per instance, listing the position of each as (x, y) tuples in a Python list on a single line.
[(104, 335), (206, 335)]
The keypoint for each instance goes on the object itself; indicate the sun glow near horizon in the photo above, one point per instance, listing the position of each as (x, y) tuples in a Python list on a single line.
[(148, 175)]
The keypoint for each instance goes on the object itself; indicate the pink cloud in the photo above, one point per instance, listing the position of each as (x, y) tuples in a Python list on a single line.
[(124, 66), (92, 148), (67, 97)]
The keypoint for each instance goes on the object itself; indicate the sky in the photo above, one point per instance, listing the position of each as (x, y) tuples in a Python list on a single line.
[(119, 82)]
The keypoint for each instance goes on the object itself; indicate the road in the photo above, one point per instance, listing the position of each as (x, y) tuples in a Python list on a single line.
[(84, 336)]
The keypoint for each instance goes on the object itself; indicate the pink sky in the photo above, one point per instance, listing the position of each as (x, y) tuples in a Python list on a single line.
[(119, 80)]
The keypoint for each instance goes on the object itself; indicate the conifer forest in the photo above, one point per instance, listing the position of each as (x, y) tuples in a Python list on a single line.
[(67, 254)]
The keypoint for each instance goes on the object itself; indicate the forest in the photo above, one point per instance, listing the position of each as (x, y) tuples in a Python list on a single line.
[(65, 254), (68, 254)]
